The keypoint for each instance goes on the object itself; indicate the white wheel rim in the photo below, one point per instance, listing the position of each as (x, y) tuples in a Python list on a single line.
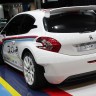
[(29, 70)]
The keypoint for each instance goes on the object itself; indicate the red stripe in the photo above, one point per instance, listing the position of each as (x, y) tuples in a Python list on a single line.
[(56, 92), (1, 43), (19, 37)]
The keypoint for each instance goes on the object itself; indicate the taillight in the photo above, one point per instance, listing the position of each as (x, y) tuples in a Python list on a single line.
[(49, 44)]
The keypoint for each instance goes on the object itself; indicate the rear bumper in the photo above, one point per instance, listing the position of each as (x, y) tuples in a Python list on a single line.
[(82, 77), (58, 67)]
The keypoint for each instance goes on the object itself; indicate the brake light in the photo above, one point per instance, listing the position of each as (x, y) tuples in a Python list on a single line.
[(49, 44)]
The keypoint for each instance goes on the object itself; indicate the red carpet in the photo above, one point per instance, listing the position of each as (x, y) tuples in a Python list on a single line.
[(56, 92)]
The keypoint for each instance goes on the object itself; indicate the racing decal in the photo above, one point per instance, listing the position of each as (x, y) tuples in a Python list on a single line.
[(90, 36), (12, 49), (20, 37)]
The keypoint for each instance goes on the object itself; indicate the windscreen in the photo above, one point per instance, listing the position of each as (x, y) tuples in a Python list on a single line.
[(70, 22)]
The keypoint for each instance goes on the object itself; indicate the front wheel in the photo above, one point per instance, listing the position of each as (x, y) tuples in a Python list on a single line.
[(33, 73)]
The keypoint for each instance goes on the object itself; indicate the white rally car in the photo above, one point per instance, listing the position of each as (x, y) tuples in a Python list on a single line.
[(51, 44)]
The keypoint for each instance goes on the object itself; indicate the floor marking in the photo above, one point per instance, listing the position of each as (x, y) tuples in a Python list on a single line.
[(89, 90), (10, 89), (82, 89), (3, 91), (56, 92)]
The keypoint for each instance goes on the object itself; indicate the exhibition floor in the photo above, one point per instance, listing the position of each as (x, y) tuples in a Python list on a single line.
[(14, 80)]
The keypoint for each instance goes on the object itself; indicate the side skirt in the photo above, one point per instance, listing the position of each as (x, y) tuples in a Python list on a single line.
[(16, 67)]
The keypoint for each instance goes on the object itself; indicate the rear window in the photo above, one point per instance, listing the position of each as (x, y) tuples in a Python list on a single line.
[(71, 22)]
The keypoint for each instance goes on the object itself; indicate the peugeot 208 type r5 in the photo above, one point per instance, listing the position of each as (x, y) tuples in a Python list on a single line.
[(51, 44)]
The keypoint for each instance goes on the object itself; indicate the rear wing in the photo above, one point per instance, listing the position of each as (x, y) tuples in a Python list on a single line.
[(55, 11)]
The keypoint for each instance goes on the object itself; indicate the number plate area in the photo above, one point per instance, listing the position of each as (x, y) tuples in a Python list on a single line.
[(86, 46)]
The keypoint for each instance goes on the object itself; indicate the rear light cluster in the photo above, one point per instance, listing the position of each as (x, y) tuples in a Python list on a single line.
[(49, 44)]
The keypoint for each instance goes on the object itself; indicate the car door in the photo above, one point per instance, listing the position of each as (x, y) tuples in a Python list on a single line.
[(10, 48)]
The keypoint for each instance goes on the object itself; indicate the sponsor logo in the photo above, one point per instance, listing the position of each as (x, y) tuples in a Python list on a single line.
[(90, 36)]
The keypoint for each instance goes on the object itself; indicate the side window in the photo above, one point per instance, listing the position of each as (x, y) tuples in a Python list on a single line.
[(27, 24), (13, 26)]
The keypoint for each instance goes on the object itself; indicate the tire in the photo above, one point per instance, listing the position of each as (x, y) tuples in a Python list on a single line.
[(1, 56), (1, 60), (33, 73)]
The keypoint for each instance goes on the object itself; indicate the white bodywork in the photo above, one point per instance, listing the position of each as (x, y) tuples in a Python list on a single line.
[(57, 65)]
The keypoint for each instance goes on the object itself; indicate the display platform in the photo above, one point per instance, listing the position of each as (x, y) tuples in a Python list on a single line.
[(15, 79), (83, 89), (12, 83)]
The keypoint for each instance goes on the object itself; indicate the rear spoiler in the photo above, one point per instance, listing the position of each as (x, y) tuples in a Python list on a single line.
[(55, 11)]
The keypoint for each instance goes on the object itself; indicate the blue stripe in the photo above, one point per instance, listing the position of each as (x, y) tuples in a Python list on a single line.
[(3, 91), (18, 40)]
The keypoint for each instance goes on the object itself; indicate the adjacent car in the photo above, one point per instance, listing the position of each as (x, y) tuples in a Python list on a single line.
[(51, 44)]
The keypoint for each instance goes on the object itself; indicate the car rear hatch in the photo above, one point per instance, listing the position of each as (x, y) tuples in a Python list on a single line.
[(74, 29), (76, 43)]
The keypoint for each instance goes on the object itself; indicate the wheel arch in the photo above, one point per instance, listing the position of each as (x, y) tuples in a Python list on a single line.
[(27, 50), (24, 51)]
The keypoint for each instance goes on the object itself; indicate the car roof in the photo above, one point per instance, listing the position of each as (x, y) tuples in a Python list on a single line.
[(48, 12), (55, 11), (35, 13)]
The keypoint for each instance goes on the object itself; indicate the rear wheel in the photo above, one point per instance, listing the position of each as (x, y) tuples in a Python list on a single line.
[(33, 73)]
